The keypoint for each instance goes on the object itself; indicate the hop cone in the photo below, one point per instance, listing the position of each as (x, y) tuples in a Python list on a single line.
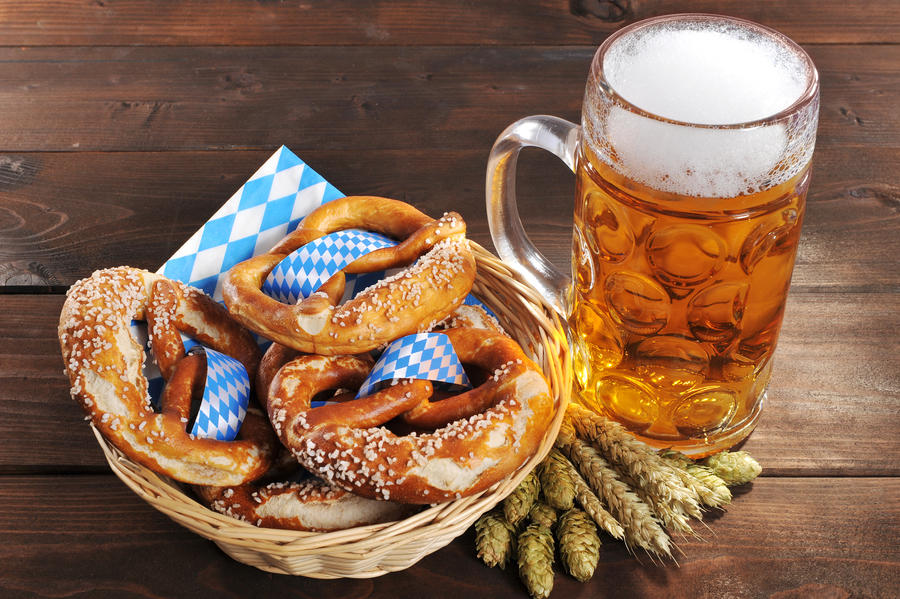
[(734, 467), (536, 560), (579, 544), (518, 503), (542, 514), (495, 539), (705, 474), (556, 481)]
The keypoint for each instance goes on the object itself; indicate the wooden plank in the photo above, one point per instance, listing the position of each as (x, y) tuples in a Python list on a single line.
[(835, 371), (356, 99), (63, 215), (781, 537), (421, 22), (832, 408)]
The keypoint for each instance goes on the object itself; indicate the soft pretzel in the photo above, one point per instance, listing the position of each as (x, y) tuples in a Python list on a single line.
[(470, 317), (424, 292), (309, 503), (172, 307), (312, 505), (483, 435), (105, 367), (464, 316)]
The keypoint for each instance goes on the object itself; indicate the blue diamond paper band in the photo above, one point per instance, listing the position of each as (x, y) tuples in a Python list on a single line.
[(266, 208), (225, 398), (307, 268), (428, 356)]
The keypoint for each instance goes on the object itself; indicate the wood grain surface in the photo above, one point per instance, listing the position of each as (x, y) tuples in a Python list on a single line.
[(90, 535), (415, 22), (357, 99), (126, 124)]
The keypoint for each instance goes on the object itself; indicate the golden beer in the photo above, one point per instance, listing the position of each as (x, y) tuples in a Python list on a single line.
[(677, 307), (691, 183), (692, 166)]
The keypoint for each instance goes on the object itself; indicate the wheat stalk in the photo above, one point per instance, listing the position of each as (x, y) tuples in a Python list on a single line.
[(592, 504), (649, 472), (710, 488), (671, 514), (641, 526)]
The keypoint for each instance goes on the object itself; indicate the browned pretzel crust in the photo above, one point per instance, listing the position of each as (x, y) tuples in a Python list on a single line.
[(470, 317), (312, 504), (485, 434), (411, 300), (104, 364)]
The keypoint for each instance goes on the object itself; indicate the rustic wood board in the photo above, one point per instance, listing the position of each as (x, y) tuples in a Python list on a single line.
[(90, 534), (357, 99), (414, 22)]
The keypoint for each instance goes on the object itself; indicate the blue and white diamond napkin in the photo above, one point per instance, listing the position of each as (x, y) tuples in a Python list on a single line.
[(225, 398), (266, 208), (307, 268), (428, 356)]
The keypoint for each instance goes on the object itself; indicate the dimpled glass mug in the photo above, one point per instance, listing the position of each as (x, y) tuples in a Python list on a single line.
[(692, 166)]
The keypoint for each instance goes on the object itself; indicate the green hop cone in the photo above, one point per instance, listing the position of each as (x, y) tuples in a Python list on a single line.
[(518, 503), (495, 539), (536, 560), (556, 481), (579, 544), (543, 514), (720, 492), (734, 467)]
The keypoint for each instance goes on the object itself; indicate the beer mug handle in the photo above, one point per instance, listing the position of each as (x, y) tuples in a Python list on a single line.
[(559, 137)]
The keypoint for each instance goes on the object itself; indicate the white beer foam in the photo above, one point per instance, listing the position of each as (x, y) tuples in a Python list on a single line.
[(696, 162), (715, 76), (707, 75)]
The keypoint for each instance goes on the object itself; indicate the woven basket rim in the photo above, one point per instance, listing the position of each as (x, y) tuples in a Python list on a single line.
[(302, 552)]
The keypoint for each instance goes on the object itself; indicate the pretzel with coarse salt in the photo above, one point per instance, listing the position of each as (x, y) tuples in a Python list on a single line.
[(282, 499), (311, 504), (470, 317), (440, 274), (484, 434), (104, 363)]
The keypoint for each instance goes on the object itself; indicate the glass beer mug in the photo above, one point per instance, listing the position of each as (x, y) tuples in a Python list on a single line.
[(692, 166)]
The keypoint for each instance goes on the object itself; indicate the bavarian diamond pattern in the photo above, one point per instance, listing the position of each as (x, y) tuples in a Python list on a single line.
[(307, 268), (267, 207), (428, 356), (225, 398)]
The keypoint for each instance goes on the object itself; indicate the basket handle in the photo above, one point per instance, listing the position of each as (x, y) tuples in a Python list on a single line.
[(559, 137)]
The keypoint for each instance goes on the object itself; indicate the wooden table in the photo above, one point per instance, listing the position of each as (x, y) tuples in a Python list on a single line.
[(124, 126)]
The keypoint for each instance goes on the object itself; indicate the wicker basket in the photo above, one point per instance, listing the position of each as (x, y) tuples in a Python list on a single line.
[(369, 551)]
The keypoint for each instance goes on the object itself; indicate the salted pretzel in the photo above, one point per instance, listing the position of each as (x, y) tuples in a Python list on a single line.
[(470, 317), (308, 503), (464, 316), (104, 363), (425, 292), (481, 435)]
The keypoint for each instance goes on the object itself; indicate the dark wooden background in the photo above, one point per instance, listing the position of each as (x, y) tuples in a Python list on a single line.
[(124, 125)]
